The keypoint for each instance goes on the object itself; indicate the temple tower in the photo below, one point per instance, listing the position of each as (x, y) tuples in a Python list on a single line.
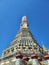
[(25, 43)]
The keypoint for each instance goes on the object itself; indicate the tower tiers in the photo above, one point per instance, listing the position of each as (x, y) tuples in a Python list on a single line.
[(24, 49), (24, 42)]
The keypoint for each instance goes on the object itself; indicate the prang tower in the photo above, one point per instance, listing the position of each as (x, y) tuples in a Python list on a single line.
[(24, 49)]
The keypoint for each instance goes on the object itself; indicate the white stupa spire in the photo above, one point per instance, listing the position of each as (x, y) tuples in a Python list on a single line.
[(24, 19), (24, 23)]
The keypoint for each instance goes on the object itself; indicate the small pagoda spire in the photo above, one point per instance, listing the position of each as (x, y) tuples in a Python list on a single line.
[(24, 23)]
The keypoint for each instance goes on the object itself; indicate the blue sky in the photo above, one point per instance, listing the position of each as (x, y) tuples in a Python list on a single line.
[(11, 12)]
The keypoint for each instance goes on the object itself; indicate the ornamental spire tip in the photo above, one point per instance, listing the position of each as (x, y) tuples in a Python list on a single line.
[(24, 23)]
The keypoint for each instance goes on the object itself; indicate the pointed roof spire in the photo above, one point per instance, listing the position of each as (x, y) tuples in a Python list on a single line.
[(24, 19), (24, 23)]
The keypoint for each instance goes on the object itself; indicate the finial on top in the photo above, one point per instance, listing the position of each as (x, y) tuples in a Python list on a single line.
[(24, 19), (24, 23)]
